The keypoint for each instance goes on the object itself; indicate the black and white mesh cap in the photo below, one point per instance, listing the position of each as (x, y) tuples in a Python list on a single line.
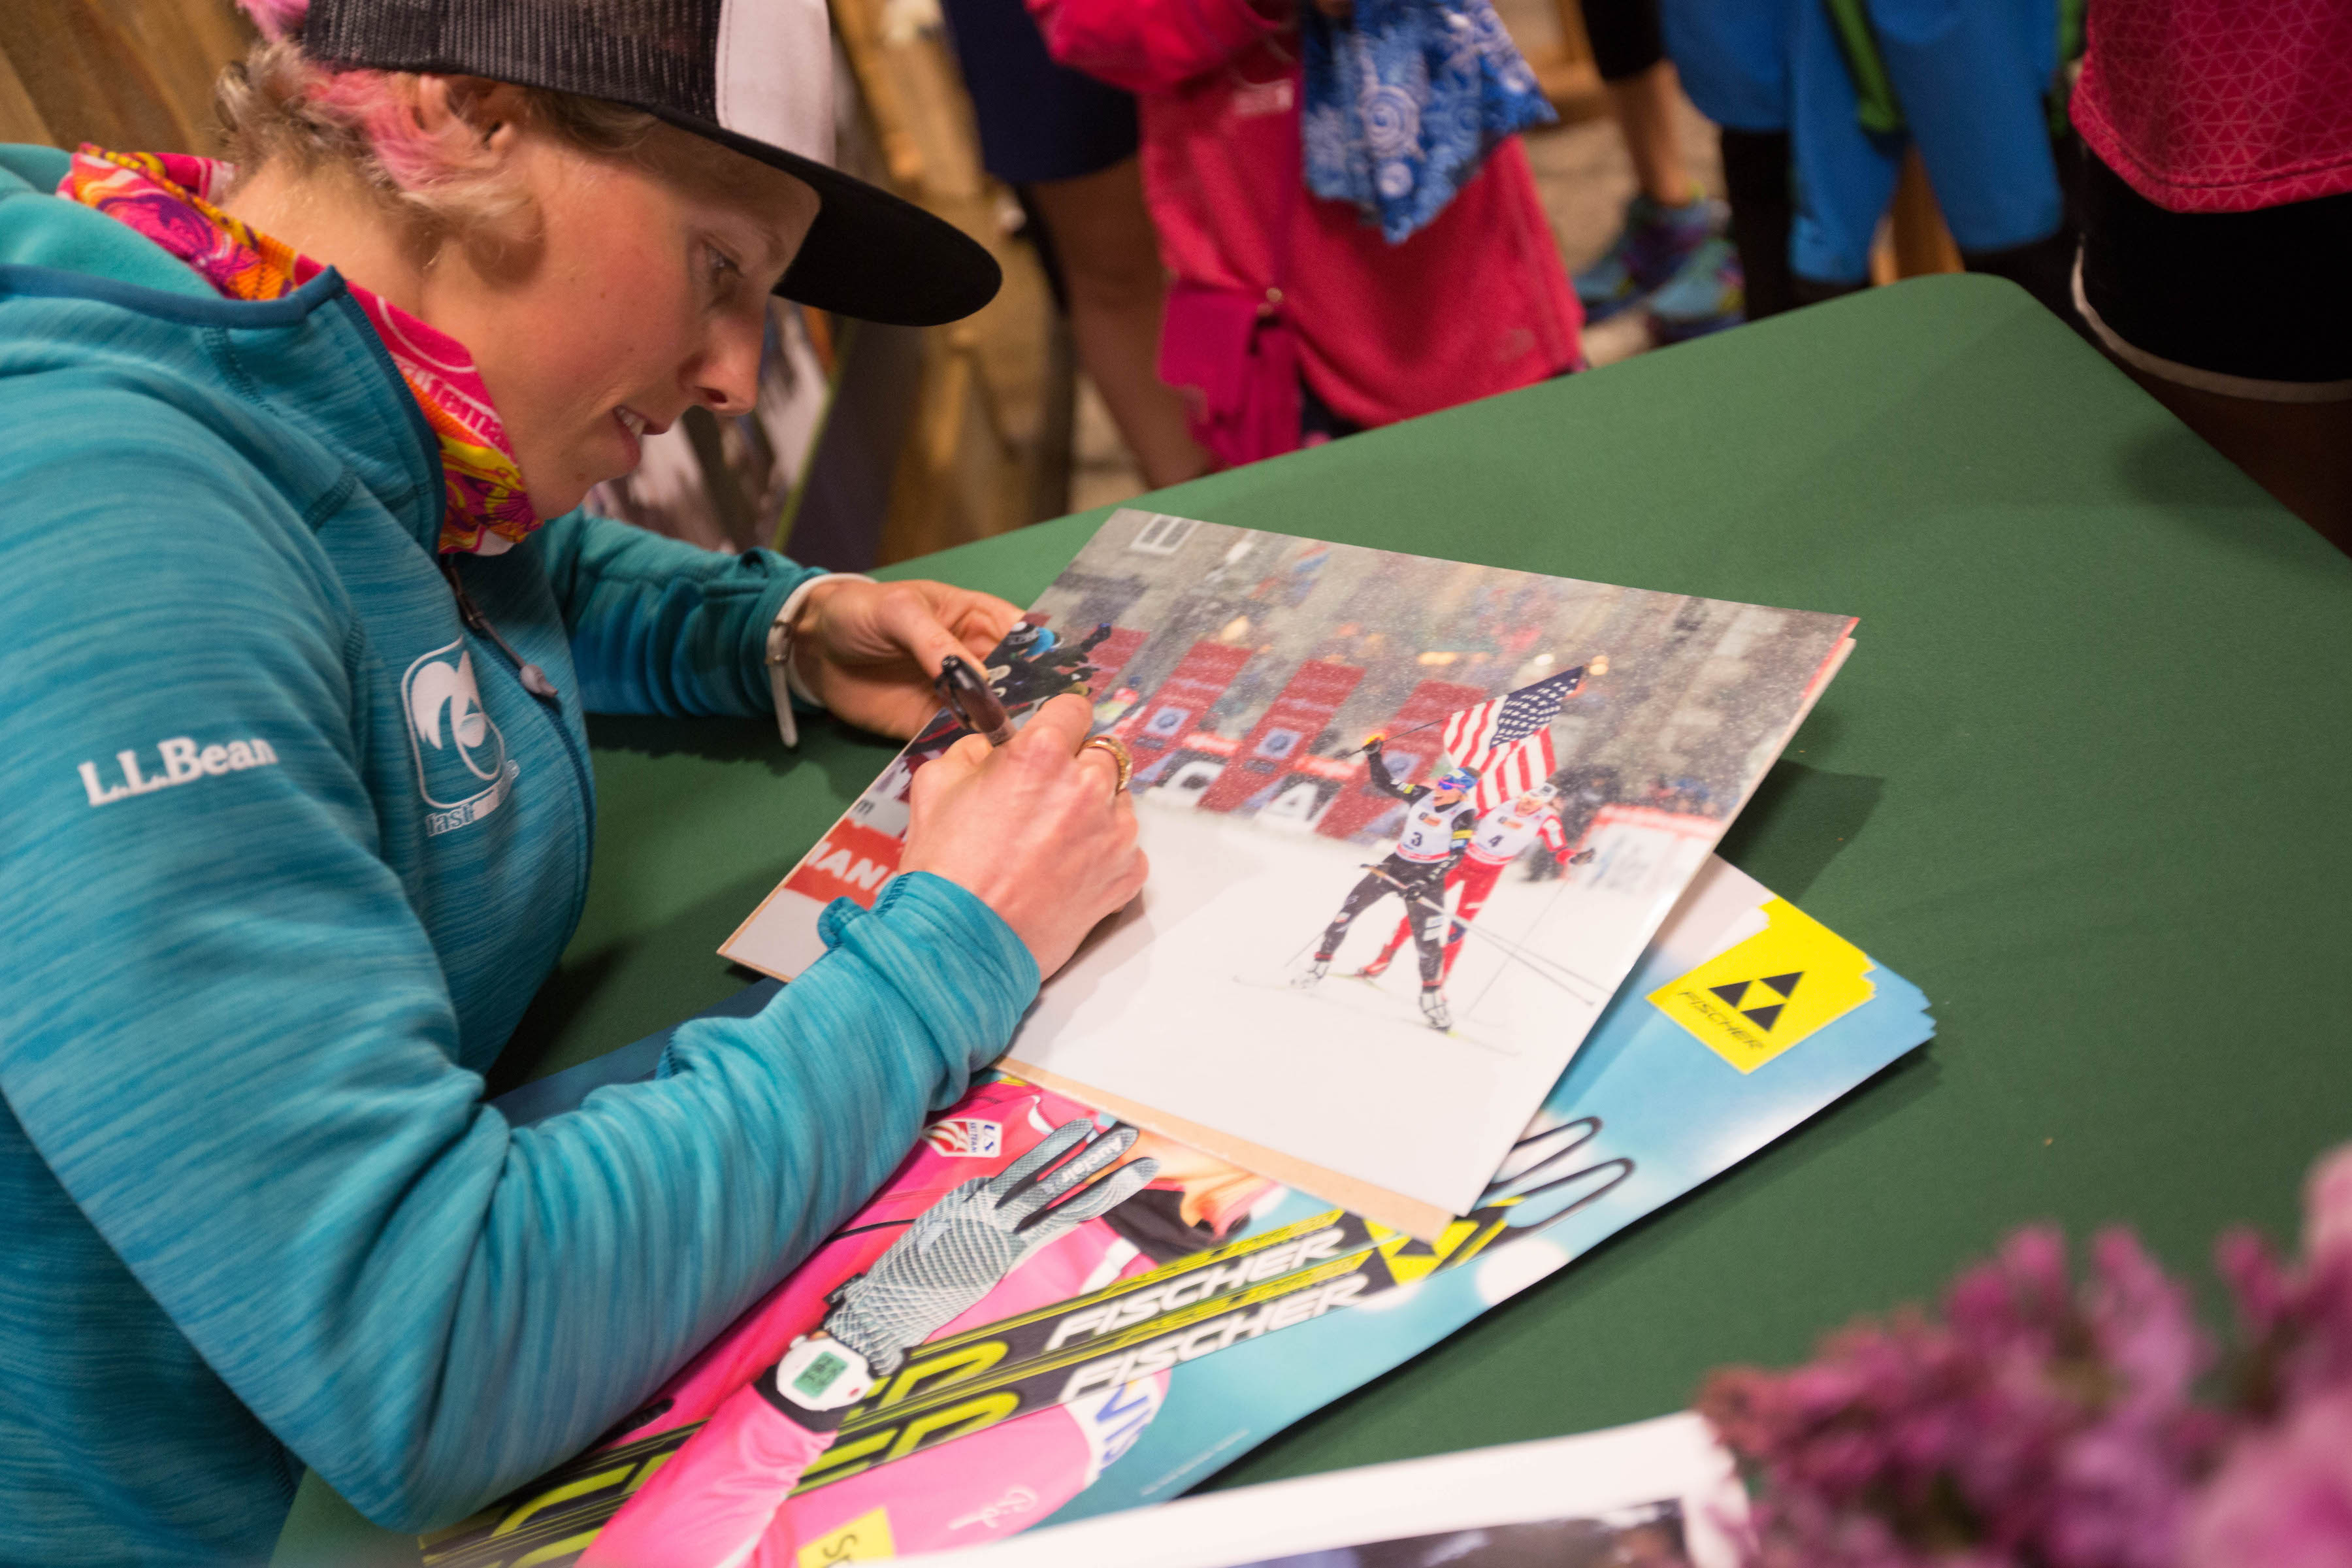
[(752, 75)]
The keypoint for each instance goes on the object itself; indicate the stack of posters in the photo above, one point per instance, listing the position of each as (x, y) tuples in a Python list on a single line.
[(1400, 1030), (1356, 968), (1147, 1348)]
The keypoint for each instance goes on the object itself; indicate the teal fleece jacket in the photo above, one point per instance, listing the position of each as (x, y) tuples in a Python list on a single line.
[(285, 851)]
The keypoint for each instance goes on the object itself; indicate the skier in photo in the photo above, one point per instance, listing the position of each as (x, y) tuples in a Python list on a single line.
[(1038, 666), (1011, 1202), (1437, 828), (1500, 837), (1029, 667), (1583, 791)]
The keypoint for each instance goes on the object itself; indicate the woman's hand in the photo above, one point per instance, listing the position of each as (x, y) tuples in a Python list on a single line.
[(1035, 829), (868, 650)]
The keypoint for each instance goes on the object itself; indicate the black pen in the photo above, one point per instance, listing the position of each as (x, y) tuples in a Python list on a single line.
[(973, 701)]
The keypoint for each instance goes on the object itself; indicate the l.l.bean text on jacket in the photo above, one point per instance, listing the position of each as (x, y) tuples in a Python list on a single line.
[(183, 762)]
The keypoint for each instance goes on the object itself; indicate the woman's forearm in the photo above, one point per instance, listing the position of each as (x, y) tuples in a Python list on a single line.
[(659, 626)]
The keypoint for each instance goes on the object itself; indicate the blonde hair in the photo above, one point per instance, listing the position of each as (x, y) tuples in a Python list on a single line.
[(282, 106)]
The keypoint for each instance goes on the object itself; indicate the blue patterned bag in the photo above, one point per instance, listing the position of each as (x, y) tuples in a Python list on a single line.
[(1404, 100)]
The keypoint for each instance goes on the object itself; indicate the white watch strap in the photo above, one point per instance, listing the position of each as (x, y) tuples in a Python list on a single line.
[(785, 682)]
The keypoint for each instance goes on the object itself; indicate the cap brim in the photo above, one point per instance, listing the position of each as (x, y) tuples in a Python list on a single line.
[(870, 253)]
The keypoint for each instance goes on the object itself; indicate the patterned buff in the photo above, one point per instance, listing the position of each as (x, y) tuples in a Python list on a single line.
[(165, 197), (1405, 100)]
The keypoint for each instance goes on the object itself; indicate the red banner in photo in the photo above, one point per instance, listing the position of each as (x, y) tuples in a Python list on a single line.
[(1175, 710), (1411, 757), (1274, 746), (1109, 657), (849, 862)]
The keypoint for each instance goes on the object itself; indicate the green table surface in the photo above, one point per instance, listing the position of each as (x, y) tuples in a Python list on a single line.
[(2087, 779)]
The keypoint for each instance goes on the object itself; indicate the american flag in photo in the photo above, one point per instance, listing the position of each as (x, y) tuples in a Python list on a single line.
[(1506, 739), (1514, 770)]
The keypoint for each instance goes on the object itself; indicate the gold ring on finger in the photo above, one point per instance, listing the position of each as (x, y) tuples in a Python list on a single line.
[(1116, 749)]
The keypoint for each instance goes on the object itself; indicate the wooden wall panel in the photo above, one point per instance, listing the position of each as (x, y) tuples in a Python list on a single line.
[(986, 450), (133, 74)]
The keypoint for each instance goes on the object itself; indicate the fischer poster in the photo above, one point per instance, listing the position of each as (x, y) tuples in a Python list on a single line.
[(1046, 1315), (1411, 822)]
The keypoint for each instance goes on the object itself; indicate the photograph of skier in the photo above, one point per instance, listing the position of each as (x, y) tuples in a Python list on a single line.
[(1240, 668), (1500, 837), (1436, 832)]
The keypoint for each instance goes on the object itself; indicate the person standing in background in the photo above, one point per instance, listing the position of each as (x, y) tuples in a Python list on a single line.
[(2217, 217), (1973, 85), (1669, 252), (1066, 142), (1293, 318), (1731, 57)]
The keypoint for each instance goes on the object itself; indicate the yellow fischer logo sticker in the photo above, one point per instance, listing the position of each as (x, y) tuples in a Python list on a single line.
[(862, 1539), (1754, 1001)]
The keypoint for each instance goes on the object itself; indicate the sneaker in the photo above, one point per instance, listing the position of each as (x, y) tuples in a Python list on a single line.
[(1311, 973), (1647, 252), (1706, 296), (1433, 1010)]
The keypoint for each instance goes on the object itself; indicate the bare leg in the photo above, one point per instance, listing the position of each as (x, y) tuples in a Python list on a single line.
[(1644, 105), (1110, 264)]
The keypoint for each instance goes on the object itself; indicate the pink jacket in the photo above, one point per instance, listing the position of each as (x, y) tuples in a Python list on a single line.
[(721, 1498), (2220, 105), (1477, 303)]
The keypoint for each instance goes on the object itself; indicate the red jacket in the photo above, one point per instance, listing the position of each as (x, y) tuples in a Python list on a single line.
[(1475, 304)]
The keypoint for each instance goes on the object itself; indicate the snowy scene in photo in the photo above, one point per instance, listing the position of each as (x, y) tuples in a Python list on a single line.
[(1409, 823)]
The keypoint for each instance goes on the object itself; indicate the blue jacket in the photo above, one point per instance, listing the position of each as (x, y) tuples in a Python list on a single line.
[(286, 850)]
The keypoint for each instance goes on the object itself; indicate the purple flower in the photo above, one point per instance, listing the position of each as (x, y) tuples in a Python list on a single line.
[(2328, 1206), (2283, 1500), (2046, 1424), (2037, 1423)]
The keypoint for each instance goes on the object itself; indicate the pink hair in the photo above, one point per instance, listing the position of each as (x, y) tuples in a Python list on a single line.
[(284, 99), (368, 104)]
